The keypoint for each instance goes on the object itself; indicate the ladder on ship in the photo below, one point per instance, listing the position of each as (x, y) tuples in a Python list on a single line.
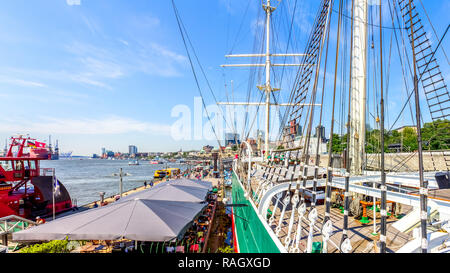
[(433, 83), (305, 73)]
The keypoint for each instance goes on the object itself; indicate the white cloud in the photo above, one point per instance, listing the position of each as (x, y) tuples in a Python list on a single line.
[(257, 26), (97, 64), (20, 82), (73, 2), (102, 68), (124, 42), (163, 51)]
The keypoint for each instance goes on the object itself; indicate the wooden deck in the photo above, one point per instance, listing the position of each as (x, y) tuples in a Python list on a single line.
[(362, 240), (361, 237)]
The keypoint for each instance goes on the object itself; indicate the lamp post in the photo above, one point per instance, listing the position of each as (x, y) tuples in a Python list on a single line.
[(121, 174)]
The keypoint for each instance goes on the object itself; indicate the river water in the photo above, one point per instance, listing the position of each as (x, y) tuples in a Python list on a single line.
[(84, 179)]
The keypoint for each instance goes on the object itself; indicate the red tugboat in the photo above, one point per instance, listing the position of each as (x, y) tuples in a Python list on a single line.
[(27, 190)]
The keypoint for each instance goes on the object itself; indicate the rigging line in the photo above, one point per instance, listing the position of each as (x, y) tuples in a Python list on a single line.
[(400, 54), (288, 41), (306, 141), (410, 107), (228, 29), (295, 89), (193, 69), (231, 117), (302, 90), (256, 114), (375, 71), (383, 223), (348, 17), (423, 184), (330, 144), (314, 91), (253, 70), (375, 146), (347, 152), (387, 73), (403, 23), (240, 27), (344, 67), (410, 94), (300, 70), (298, 80), (319, 133), (202, 70), (409, 102), (434, 30), (275, 80), (250, 87), (284, 61), (261, 93)]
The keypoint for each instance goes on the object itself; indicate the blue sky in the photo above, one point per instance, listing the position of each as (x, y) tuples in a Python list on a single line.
[(107, 73)]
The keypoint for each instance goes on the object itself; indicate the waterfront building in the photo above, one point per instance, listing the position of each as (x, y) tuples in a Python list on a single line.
[(232, 139), (132, 150), (321, 130), (207, 148)]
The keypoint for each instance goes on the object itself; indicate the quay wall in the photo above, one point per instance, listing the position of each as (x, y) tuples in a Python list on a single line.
[(398, 162)]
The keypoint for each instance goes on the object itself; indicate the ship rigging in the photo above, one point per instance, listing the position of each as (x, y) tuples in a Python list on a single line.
[(291, 194)]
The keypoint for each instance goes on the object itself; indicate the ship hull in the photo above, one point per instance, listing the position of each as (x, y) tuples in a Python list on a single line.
[(251, 234)]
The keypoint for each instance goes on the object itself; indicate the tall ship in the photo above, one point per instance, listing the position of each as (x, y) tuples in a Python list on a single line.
[(26, 189), (363, 187)]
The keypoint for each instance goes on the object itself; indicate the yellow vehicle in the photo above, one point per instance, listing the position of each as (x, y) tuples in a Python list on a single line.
[(160, 174), (171, 172)]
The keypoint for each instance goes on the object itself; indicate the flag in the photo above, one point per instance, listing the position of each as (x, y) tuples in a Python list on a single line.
[(56, 190), (31, 144), (40, 144)]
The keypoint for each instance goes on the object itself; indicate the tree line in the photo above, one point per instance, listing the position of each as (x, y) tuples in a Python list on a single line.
[(435, 136)]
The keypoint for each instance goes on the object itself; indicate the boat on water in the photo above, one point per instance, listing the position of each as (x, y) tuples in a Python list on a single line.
[(156, 162), (300, 193), (133, 162), (160, 174), (26, 189), (173, 172), (169, 172)]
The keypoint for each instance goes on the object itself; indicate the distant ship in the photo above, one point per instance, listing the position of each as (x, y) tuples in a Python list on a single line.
[(134, 162), (65, 155), (156, 162), (52, 155)]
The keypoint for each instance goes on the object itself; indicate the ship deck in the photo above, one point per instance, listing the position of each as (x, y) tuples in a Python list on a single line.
[(361, 237)]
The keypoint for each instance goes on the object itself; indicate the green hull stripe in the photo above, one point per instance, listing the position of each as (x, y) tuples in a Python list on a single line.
[(251, 233)]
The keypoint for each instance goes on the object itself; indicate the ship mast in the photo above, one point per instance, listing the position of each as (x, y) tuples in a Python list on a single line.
[(358, 87), (267, 88)]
